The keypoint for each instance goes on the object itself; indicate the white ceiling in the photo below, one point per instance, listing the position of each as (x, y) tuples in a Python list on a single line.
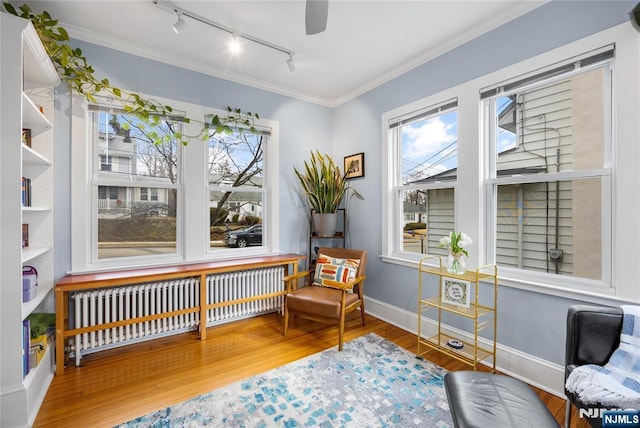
[(366, 42)]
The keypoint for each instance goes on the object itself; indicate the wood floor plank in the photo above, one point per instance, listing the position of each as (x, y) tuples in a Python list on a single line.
[(120, 384)]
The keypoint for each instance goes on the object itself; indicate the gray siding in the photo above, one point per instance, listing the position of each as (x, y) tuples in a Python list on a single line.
[(559, 128), (440, 218)]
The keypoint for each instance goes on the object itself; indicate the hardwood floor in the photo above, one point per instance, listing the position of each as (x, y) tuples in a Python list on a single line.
[(117, 385)]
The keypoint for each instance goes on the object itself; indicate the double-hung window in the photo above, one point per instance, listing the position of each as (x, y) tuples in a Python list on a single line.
[(135, 186), (423, 160), (549, 184), (238, 192)]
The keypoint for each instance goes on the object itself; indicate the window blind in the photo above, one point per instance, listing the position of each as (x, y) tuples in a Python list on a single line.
[(423, 113), (576, 63)]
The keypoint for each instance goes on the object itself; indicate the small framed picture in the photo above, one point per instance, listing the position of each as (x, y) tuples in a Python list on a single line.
[(354, 165), (455, 292)]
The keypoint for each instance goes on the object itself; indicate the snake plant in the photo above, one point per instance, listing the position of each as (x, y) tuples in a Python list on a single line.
[(323, 183)]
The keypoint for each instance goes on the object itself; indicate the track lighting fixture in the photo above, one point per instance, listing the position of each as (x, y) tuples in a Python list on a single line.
[(170, 7), (179, 24), (291, 64)]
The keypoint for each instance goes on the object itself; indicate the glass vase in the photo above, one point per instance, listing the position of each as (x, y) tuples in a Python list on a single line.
[(456, 264)]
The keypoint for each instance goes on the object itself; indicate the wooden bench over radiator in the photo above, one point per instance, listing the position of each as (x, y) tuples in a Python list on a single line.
[(197, 307)]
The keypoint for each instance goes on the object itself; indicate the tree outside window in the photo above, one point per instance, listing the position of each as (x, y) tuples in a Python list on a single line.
[(236, 185)]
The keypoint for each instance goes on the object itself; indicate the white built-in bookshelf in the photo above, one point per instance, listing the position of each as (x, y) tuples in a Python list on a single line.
[(27, 79)]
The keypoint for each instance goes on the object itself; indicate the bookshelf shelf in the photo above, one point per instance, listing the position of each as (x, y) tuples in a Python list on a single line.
[(31, 157), (29, 307), (32, 117), (35, 209), (33, 252)]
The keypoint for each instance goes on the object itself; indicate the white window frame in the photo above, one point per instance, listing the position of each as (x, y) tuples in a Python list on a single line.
[(492, 182), (392, 172), (270, 240), (472, 202), (94, 169), (192, 235)]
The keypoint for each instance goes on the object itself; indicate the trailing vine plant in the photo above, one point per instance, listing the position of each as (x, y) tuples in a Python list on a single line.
[(73, 68)]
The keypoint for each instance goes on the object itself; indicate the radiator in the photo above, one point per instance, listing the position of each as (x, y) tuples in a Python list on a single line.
[(95, 307), (225, 287)]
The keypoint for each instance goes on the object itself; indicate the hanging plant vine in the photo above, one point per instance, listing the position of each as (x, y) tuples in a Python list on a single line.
[(73, 68)]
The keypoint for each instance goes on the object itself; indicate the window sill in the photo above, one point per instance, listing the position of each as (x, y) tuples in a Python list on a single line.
[(599, 295)]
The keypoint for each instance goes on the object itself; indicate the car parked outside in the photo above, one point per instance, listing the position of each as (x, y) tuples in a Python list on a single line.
[(245, 237)]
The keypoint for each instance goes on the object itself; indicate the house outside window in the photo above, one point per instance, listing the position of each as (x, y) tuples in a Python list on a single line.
[(425, 144), (137, 220), (550, 180)]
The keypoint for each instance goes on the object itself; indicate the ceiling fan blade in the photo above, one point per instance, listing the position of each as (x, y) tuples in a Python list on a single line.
[(316, 16), (635, 17)]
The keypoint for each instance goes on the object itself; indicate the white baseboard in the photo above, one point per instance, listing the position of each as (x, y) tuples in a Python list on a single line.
[(535, 371)]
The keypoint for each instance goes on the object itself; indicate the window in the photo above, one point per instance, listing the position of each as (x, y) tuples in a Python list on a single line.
[(424, 173), (137, 213), (550, 174), (105, 163), (546, 161), (237, 193), (113, 193), (136, 174)]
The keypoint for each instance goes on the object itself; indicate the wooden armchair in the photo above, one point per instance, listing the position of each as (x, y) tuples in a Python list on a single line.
[(323, 298)]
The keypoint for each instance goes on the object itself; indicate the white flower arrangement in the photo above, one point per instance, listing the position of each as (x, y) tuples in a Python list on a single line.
[(456, 243)]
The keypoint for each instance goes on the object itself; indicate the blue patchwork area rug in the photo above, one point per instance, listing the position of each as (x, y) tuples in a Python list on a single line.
[(372, 383)]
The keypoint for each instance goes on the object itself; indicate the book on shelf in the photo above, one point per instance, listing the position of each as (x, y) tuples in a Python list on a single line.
[(25, 235), (26, 192), (26, 137), (26, 346)]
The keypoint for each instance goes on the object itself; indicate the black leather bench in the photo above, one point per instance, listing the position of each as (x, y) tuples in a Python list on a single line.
[(479, 399)]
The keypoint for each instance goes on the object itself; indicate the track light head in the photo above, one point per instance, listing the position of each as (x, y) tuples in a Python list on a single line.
[(291, 64), (234, 45), (179, 24)]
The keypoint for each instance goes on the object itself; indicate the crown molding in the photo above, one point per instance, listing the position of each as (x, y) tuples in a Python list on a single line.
[(156, 55)]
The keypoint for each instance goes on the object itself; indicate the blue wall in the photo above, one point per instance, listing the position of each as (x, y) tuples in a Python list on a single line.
[(529, 322)]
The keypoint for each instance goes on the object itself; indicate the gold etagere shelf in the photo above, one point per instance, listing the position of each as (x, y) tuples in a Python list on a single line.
[(468, 303)]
